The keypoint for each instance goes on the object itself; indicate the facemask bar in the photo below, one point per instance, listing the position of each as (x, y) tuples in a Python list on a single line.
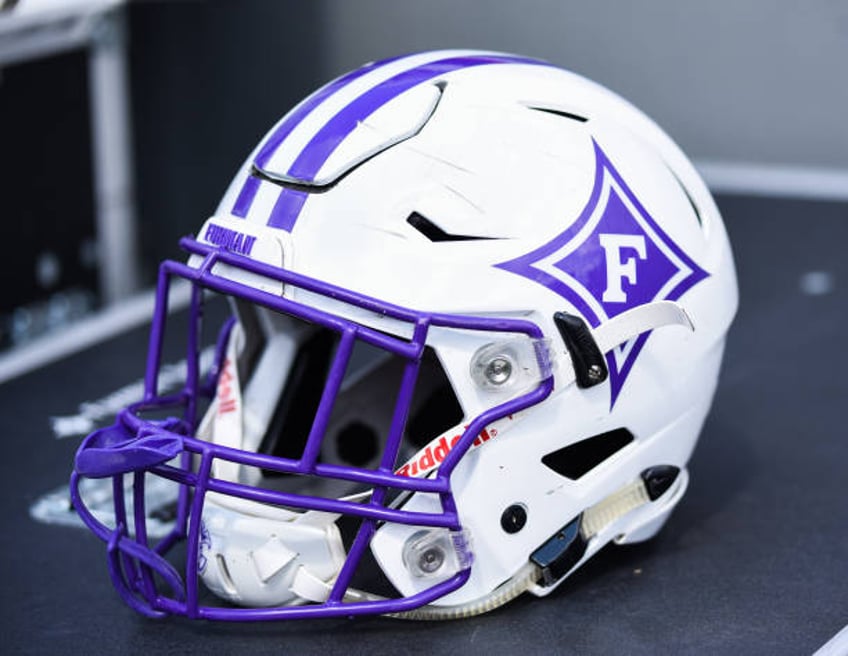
[(135, 445)]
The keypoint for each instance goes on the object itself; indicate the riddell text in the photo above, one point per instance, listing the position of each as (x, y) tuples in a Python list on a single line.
[(433, 455), (226, 399)]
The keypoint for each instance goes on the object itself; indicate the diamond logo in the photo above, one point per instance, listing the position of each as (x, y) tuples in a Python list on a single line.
[(614, 257)]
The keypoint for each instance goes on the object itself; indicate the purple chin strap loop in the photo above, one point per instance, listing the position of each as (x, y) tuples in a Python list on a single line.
[(167, 448)]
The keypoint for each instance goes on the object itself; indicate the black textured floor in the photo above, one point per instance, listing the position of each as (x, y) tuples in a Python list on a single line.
[(754, 561)]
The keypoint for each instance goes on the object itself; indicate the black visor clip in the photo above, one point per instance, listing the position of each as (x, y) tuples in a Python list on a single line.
[(590, 367)]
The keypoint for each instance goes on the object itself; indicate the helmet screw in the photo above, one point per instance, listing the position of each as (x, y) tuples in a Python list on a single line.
[(498, 370), (595, 372), (431, 560), (514, 518)]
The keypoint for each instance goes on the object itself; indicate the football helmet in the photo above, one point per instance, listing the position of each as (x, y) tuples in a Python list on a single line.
[(476, 307)]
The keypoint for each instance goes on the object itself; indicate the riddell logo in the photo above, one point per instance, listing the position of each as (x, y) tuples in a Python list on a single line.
[(226, 399), (434, 453)]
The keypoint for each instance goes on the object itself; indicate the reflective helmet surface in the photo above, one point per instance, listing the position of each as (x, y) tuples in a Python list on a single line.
[(473, 309)]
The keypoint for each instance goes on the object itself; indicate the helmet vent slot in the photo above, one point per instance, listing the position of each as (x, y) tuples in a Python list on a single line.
[(575, 460), (687, 194), (226, 579), (434, 233), (559, 112)]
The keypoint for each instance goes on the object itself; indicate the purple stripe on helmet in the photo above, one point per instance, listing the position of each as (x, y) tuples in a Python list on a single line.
[(287, 209), (311, 102), (318, 150), (246, 196), (322, 145), (289, 123)]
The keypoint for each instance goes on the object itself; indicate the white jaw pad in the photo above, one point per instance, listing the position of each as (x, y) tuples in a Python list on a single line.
[(257, 555), (271, 558)]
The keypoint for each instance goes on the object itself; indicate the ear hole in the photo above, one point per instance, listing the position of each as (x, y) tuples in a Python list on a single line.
[(579, 458)]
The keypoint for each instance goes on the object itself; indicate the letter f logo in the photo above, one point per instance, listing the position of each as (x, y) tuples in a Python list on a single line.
[(618, 268), (596, 260)]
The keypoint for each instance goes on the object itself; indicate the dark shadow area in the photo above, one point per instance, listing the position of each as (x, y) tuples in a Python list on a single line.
[(208, 80)]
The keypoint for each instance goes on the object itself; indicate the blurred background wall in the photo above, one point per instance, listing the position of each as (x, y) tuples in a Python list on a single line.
[(208, 79), (756, 92), (757, 81), (205, 80)]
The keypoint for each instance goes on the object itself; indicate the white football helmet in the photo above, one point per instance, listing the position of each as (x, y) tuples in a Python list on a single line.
[(478, 310)]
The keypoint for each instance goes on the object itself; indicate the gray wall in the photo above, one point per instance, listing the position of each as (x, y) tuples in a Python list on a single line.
[(751, 81)]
